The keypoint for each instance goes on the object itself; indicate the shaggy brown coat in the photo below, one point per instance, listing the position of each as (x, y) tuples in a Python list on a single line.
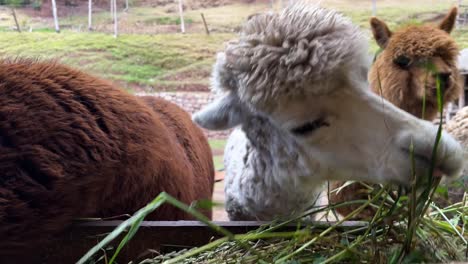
[(72, 145), (412, 58), (405, 74)]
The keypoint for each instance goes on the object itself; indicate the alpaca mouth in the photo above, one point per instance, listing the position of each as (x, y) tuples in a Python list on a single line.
[(420, 165), (432, 89)]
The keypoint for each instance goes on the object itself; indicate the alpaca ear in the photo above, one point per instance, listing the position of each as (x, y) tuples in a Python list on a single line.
[(380, 31), (224, 113), (448, 23)]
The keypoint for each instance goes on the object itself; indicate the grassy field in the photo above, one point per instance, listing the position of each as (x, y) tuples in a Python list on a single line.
[(142, 59), (217, 145), (146, 60)]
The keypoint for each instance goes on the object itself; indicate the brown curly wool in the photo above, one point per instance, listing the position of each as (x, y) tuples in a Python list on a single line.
[(423, 47), (72, 145)]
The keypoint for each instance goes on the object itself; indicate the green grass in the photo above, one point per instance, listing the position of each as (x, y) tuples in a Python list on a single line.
[(149, 60), (139, 59), (217, 143), (166, 20), (218, 162)]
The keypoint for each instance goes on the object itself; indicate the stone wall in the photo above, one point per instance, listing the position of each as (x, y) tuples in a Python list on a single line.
[(191, 102)]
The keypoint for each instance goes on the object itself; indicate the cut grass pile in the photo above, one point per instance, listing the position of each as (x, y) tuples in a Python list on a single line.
[(438, 236)]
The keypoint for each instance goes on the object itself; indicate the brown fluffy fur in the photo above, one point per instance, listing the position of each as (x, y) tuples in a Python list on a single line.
[(72, 145), (406, 87)]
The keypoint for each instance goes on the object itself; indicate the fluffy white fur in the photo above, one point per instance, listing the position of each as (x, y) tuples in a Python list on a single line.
[(296, 84)]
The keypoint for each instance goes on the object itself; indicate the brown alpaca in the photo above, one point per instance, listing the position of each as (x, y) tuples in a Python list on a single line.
[(405, 73), (72, 145)]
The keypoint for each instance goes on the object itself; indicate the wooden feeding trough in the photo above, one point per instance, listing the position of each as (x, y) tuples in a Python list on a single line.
[(153, 238)]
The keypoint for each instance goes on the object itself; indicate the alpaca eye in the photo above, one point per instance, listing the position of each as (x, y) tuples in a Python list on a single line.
[(402, 61), (309, 127)]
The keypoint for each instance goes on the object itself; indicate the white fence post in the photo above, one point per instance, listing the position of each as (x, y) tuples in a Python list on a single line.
[(114, 5), (181, 12), (374, 7), (90, 15), (54, 12)]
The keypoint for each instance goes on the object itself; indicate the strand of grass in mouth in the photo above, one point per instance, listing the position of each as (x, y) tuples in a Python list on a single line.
[(424, 93), (331, 228), (425, 198), (412, 203), (429, 192)]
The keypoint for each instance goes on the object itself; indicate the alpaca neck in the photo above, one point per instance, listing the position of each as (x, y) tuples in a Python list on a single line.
[(275, 153)]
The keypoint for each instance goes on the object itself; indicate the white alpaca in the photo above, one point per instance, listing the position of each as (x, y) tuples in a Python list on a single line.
[(296, 84)]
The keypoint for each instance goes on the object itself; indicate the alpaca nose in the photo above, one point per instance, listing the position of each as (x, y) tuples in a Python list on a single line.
[(449, 156)]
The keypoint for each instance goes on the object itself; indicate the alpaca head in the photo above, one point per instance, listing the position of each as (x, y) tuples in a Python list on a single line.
[(411, 61), (297, 80)]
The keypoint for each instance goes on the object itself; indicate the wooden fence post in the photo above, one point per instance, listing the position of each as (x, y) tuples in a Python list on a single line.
[(16, 20), (204, 23), (374, 8)]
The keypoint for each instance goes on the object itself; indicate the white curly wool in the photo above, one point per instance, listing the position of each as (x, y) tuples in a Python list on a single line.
[(277, 55)]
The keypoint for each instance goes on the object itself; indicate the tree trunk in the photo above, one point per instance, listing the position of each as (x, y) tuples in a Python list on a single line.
[(90, 15), (115, 18), (126, 5), (16, 20), (181, 12), (54, 12)]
